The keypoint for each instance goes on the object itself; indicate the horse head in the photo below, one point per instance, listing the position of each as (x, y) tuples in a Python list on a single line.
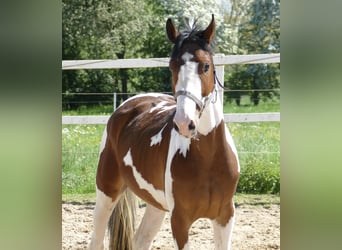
[(193, 77)]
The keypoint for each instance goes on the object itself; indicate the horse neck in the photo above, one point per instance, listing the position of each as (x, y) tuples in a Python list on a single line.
[(212, 115)]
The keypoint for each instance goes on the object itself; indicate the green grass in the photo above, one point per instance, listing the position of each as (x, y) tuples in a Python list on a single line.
[(258, 146), (92, 110), (80, 149), (245, 107)]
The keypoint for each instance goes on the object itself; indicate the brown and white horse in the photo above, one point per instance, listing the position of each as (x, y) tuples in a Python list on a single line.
[(174, 152)]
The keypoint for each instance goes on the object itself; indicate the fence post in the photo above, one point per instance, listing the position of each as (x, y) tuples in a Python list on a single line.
[(220, 77), (114, 101)]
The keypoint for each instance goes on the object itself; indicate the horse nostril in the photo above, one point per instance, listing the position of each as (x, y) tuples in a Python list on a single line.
[(192, 125), (175, 127)]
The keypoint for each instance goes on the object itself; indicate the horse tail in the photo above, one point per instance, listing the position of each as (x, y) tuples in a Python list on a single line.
[(121, 223)]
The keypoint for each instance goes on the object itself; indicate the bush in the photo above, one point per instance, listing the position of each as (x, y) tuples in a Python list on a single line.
[(259, 154), (259, 180)]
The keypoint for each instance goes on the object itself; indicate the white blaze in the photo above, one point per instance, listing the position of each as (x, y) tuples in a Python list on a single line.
[(188, 80)]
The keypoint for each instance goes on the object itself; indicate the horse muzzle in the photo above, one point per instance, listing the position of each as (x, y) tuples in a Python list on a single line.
[(185, 126)]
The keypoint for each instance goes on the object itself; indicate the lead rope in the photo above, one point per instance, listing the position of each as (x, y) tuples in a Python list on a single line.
[(214, 98), (218, 81)]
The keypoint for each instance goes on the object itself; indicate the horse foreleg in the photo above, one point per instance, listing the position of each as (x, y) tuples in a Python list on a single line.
[(102, 212), (149, 227), (180, 230), (223, 229)]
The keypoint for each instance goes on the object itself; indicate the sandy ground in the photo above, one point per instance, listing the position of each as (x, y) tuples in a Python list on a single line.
[(256, 227)]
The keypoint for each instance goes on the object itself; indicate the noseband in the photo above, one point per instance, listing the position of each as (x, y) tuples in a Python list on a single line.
[(200, 104)]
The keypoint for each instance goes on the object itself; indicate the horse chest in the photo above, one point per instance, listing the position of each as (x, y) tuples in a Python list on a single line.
[(201, 184)]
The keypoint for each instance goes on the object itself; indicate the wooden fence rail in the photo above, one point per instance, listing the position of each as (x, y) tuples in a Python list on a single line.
[(164, 62), (242, 117), (219, 60)]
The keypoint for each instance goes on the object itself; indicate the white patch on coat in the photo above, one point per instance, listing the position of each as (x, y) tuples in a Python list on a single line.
[(162, 107), (223, 234), (177, 142), (212, 115), (156, 139), (158, 195), (231, 143), (142, 95), (187, 57)]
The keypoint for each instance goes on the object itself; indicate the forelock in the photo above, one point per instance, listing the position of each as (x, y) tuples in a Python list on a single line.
[(191, 34)]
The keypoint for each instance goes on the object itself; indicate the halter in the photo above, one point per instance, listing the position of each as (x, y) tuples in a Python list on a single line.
[(201, 104)]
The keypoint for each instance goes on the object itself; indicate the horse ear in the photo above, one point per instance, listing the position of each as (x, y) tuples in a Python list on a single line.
[(171, 31), (209, 32)]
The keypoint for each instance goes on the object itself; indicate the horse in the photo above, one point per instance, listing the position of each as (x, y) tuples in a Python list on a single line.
[(172, 151)]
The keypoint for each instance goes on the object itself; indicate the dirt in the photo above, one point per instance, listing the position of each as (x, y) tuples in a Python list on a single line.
[(257, 226)]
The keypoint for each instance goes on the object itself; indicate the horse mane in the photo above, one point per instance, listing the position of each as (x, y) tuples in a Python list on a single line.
[(191, 33)]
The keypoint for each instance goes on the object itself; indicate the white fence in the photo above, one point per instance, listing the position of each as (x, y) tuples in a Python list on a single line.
[(219, 61), (243, 117)]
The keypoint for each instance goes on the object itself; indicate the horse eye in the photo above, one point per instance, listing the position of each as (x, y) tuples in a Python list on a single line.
[(206, 67)]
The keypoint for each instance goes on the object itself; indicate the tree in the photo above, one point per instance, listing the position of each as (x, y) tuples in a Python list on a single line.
[(80, 41), (117, 29), (201, 10), (155, 45), (106, 29), (126, 26), (260, 34)]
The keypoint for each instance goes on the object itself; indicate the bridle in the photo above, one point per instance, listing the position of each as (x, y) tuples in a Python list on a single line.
[(201, 104)]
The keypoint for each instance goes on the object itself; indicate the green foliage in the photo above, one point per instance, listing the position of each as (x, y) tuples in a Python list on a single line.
[(259, 180), (123, 29), (80, 148), (262, 82), (80, 41), (262, 31), (107, 30), (92, 110), (246, 106), (111, 29), (258, 146), (259, 35)]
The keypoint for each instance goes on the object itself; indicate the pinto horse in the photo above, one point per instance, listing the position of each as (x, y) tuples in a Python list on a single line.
[(174, 152)]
